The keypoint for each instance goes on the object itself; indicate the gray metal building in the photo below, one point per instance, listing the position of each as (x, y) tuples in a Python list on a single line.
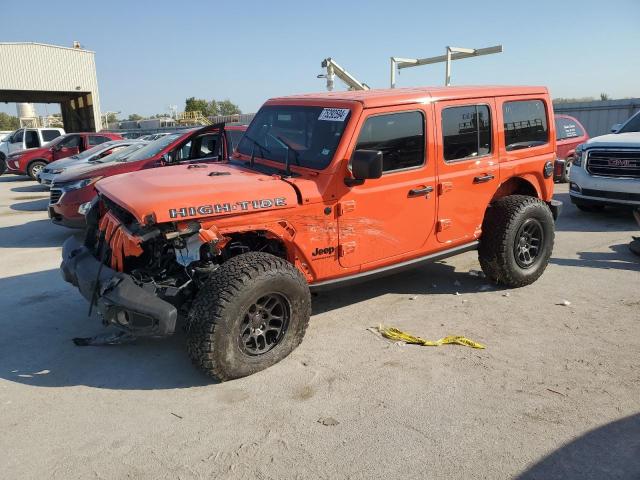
[(598, 116), (40, 73)]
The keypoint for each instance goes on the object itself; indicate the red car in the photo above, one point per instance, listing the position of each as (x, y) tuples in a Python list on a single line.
[(31, 161), (72, 193), (570, 133)]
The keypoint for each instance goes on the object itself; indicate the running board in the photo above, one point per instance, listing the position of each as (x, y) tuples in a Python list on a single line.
[(391, 269)]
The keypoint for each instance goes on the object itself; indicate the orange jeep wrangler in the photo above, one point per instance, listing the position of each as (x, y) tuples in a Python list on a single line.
[(323, 190)]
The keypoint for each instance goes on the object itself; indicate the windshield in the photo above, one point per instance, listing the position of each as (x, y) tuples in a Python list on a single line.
[(632, 125), (311, 133), (121, 154), (92, 151), (154, 147)]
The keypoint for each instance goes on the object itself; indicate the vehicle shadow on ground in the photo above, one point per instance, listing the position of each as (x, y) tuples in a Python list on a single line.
[(14, 178), (434, 279), (35, 234), (31, 205), (610, 219), (42, 315), (30, 189), (621, 258), (610, 451)]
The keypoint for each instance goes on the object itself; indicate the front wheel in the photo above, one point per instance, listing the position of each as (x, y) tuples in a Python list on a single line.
[(517, 240), (35, 168), (250, 314)]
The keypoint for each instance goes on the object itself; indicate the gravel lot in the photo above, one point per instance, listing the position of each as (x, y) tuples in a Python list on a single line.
[(556, 394)]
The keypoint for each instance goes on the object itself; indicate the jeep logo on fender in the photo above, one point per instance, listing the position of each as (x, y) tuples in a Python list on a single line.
[(217, 208), (318, 252)]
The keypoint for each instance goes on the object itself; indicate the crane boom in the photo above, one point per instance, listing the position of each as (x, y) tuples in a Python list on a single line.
[(335, 70)]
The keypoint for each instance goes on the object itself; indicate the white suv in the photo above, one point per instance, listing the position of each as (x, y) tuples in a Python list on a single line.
[(606, 171), (24, 138)]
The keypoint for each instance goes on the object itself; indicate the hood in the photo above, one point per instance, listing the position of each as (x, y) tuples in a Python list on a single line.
[(185, 192), (615, 140), (33, 152), (82, 169), (64, 163)]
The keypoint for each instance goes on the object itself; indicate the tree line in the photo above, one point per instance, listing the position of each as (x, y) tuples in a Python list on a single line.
[(209, 108)]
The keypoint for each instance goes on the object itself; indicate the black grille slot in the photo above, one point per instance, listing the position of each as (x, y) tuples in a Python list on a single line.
[(614, 163), (635, 197), (55, 195), (124, 216)]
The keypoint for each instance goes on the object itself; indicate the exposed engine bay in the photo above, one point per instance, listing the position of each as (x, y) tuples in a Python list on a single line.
[(171, 260)]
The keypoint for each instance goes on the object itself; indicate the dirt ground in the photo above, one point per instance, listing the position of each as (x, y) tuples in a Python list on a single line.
[(556, 393)]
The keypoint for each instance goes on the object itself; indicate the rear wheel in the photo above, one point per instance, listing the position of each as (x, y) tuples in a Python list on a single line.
[(252, 312), (34, 168), (517, 240)]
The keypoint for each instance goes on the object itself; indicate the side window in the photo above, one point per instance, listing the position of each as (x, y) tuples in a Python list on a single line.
[(567, 128), (400, 137), (98, 139), (208, 146), (525, 124), (31, 139), (48, 135), (184, 152), (466, 132), (18, 137), (71, 141)]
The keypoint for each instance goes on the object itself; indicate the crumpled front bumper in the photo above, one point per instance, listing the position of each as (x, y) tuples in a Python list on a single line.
[(117, 297)]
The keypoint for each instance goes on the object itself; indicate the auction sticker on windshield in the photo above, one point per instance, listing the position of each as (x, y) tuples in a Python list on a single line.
[(334, 114)]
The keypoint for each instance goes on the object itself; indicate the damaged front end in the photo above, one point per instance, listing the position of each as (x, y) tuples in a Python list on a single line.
[(140, 278)]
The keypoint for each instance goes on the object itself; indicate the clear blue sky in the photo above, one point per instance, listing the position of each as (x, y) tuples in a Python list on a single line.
[(150, 54)]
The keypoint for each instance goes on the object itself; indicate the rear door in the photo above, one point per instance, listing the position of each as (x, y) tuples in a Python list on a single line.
[(468, 167), (391, 216), (31, 138)]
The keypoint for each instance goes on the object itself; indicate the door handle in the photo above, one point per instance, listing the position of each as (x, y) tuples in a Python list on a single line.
[(483, 178), (419, 192)]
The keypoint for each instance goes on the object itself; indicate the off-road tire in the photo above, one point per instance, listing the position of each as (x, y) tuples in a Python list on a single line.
[(3, 163), (213, 337), (31, 168), (583, 207), (502, 223)]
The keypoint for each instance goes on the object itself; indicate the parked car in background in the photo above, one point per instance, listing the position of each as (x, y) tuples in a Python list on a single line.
[(23, 139), (31, 161), (72, 191), (570, 133), (51, 171), (631, 125), (606, 172), (154, 136)]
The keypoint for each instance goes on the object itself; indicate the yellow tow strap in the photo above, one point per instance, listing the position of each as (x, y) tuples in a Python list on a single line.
[(394, 334)]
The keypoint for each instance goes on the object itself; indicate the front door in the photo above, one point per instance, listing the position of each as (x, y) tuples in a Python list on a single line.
[(17, 141), (468, 167), (70, 145), (393, 215)]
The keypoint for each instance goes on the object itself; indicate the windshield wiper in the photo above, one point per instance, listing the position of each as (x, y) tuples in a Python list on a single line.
[(253, 148)]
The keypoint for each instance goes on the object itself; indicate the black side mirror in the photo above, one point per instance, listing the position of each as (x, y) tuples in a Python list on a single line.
[(166, 158), (365, 164)]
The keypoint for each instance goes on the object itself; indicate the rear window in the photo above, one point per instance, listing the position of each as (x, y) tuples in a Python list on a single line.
[(98, 139), (154, 147), (567, 128), (525, 124), (48, 135)]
